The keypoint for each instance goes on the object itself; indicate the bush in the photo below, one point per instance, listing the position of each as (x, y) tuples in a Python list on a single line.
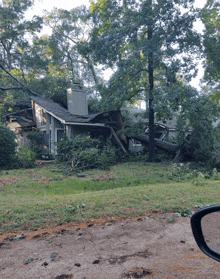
[(85, 158), (198, 146), (37, 145), (26, 157), (84, 152), (7, 147), (67, 147), (64, 149), (107, 158), (215, 160)]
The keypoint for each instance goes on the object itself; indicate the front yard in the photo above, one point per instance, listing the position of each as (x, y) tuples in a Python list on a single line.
[(44, 196)]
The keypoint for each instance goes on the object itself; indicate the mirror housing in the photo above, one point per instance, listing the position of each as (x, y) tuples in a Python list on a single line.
[(198, 233)]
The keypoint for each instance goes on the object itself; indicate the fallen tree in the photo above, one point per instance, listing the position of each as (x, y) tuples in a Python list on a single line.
[(167, 146)]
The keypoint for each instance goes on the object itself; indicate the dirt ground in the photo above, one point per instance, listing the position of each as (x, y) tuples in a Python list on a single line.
[(151, 246)]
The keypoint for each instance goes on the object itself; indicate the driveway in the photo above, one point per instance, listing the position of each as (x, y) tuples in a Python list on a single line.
[(153, 246)]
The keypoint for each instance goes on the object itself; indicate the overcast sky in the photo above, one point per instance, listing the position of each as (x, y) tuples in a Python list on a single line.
[(48, 5), (41, 5)]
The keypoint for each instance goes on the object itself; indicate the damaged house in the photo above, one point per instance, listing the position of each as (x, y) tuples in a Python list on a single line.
[(50, 118), (55, 121)]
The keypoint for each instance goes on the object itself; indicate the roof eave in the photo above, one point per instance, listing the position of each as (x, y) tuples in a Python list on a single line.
[(84, 124)]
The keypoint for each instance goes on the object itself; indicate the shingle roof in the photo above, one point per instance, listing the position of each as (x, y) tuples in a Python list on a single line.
[(61, 113)]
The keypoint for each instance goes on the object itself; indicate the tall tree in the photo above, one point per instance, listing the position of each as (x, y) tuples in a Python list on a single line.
[(147, 43), (46, 65), (13, 28), (67, 45), (210, 16), (14, 43), (44, 76)]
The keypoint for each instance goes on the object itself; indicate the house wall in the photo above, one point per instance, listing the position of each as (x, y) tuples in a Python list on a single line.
[(40, 116), (80, 130), (48, 124), (21, 135), (73, 131), (135, 146), (172, 134), (55, 126)]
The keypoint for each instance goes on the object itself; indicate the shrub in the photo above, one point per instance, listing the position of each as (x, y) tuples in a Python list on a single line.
[(107, 158), (26, 157), (215, 160), (7, 147), (84, 152), (215, 174), (198, 146), (64, 149), (37, 144), (85, 158)]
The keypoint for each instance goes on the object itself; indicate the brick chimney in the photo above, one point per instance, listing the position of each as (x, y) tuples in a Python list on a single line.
[(77, 100)]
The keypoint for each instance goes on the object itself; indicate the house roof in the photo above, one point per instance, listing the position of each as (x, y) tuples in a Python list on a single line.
[(61, 113), (23, 104)]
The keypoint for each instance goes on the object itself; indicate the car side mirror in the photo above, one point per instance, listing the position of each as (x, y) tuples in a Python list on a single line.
[(206, 230)]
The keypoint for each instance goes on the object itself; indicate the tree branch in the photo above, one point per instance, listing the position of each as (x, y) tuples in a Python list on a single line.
[(90, 66), (22, 85), (10, 88)]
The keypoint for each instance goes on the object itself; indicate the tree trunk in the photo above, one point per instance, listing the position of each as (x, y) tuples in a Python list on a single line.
[(91, 67), (167, 146), (151, 97)]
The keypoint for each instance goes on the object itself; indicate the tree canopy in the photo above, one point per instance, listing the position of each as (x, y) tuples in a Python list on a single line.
[(70, 34), (49, 64), (15, 44), (148, 43), (210, 16)]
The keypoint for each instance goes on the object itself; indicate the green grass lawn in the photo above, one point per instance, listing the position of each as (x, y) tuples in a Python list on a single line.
[(40, 197)]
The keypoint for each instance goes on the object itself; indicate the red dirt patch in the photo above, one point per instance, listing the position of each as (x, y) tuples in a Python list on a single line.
[(8, 181), (103, 177), (43, 180), (52, 231)]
